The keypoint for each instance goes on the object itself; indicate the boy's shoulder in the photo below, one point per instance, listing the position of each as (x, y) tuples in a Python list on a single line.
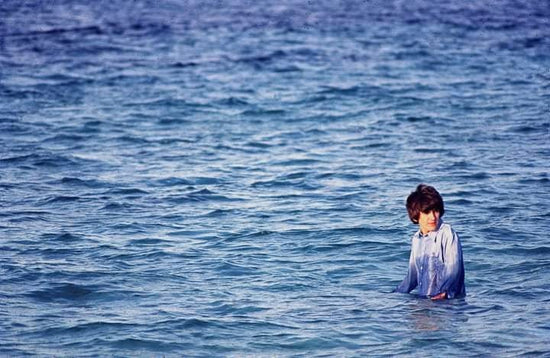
[(445, 227), (446, 230)]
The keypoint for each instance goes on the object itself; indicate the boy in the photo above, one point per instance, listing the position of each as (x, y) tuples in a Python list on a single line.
[(435, 265)]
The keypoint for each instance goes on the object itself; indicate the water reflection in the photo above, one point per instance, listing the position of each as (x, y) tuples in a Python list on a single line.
[(429, 316)]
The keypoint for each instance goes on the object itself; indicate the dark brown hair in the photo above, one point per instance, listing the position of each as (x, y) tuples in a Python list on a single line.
[(423, 200)]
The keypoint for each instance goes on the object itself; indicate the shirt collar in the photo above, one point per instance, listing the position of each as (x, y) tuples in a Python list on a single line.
[(431, 233)]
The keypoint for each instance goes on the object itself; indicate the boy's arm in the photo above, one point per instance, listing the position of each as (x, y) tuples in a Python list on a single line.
[(410, 281), (453, 279)]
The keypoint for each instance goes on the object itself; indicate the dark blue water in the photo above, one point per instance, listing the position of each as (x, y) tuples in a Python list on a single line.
[(227, 178)]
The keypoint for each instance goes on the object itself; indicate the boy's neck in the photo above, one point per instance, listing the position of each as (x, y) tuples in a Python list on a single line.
[(429, 231)]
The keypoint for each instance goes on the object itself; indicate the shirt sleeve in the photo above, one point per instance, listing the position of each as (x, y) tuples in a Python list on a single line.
[(410, 281), (453, 277)]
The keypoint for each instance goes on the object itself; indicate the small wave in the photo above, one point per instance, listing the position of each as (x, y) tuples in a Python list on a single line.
[(193, 323), (359, 246), (524, 43), (351, 91), (53, 161), (141, 257), (205, 180), (18, 158), (228, 309), (413, 54), (202, 192), (544, 180), (201, 195), (343, 273), (184, 64), (167, 121), (174, 181), (417, 119), (76, 138), (116, 206), (460, 202), (313, 99), (88, 327), (134, 344), (262, 59), (521, 292), (146, 242), (64, 292), (63, 237), (233, 269), (374, 145), (219, 213), (461, 164), (85, 30), (339, 90), (71, 181), (30, 217), (298, 162), (233, 101), (528, 129), (128, 191), (345, 176), (263, 112), (132, 139), (302, 343), (272, 184), (476, 176), (295, 175), (15, 129), (543, 251), (261, 145), (477, 310), (62, 199), (261, 233), (287, 69)]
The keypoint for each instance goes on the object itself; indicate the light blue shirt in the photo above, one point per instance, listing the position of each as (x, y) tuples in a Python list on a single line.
[(435, 264)]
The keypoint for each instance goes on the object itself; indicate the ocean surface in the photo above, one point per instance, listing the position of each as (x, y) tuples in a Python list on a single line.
[(228, 178)]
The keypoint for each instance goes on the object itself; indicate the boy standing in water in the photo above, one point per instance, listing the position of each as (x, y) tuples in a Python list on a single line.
[(435, 265)]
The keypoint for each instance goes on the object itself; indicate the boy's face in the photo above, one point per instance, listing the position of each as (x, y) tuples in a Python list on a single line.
[(428, 221)]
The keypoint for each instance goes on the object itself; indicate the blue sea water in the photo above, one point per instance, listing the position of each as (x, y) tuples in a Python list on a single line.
[(227, 178)]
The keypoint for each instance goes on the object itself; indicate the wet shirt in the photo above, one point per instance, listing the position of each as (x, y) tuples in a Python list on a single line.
[(435, 264)]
